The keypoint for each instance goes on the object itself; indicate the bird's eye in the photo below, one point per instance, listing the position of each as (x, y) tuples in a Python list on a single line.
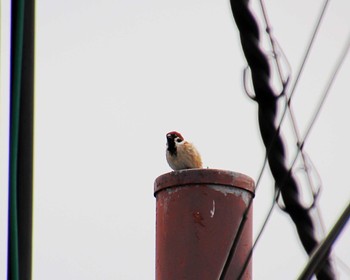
[(178, 140)]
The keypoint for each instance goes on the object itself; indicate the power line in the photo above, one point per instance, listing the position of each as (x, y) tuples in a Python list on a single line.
[(322, 251), (335, 71), (266, 99), (262, 228), (289, 109), (309, 46), (284, 83)]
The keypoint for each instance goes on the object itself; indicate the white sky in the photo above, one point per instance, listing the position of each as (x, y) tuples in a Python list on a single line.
[(112, 77)]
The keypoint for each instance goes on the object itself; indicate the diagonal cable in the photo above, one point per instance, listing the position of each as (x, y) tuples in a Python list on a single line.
[(323, 250), (267, 114), (335, 71)]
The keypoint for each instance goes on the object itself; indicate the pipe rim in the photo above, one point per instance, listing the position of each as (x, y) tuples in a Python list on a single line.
[(201, 176)]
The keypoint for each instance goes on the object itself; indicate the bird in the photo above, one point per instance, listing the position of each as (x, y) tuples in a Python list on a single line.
[(181, 154)]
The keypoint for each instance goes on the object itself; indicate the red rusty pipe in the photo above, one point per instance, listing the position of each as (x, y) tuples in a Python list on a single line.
[(198, 215)]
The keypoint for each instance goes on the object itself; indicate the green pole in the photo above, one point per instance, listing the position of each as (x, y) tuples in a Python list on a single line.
[(21, 139)]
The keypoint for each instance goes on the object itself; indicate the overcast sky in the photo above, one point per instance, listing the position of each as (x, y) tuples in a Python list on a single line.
[(113, 77)]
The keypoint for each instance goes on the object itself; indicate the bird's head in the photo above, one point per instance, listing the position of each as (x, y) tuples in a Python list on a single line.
[(173, 139)]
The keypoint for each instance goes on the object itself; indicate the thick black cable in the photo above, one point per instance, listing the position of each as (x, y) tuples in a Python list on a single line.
[(335, 71), (299, 72), (273, 44), (284, 82), (267, 101), (17, 26), (21, 140)]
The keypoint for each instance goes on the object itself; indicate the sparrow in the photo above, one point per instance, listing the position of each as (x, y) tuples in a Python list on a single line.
[(181, 154)]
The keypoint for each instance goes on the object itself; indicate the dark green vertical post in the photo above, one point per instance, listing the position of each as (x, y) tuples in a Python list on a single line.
[(21, 139)]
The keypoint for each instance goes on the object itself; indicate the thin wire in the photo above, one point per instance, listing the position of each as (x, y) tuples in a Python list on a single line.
[(329, 84), (335, 71), (310, 167), (324, 248), (301, 68), (287, 100), (244, 217), (289, 105), (272, 41), (325, 4), (283, 83), (318, 109), (267, 218)]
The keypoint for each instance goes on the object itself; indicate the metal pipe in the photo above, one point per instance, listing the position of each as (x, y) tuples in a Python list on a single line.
[(198, 213)]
